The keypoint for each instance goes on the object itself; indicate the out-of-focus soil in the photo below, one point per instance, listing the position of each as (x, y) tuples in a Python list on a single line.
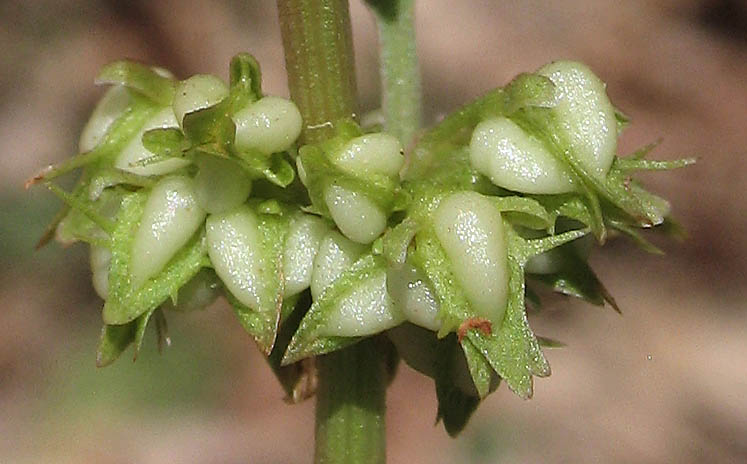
[(665, 382)]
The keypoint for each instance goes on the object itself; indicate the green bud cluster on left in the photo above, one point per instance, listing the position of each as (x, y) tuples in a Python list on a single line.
[(176, 176)]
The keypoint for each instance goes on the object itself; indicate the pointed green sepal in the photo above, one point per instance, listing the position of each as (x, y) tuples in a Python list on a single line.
[(527, 90), (430, 257), (546, 342), (246, 81), (320, 173), (126, 303), (524, 211), (576, 278), (512, 349), (455, 407), (113, 341), (211, 129), (263, 323), (140, 78), (622, 120), (479, 368), (141, 325), (308, 341), (275, 168), (396, 241), (105, 178), (165, 143), (120, 133), (638, 164), (298, 379), (86, 220)]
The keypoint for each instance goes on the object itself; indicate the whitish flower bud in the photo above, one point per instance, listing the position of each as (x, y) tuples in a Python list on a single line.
[(359, 218), (111, 106), (515, 160), (134, 154), (100, 258), (365, 310), (163, 72), (470, 230), (305, 235), (371, 154), (197, 294), (413, 297), (270, 125), (170, 218), (220, 184), (235, 249), (585, 113), (196, 93), (336, 254)]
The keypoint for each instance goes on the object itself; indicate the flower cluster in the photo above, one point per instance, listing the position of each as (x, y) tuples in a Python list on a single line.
[(193, 189)]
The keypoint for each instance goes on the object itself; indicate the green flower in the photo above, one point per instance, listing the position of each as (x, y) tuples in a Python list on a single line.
[(188, 191)]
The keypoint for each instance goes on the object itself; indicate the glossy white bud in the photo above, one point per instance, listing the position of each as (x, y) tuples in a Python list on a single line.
[(196, 93), (516, 161), (371, 154), (270, 125), (132, 155), (586, 114), (235, 249), (359, 218), (197, 294), (365, 310), (305, 235), (220, 184), (336, 254), (470, 230), (111, 106), (170, 218), (413, 297), (100, 258)]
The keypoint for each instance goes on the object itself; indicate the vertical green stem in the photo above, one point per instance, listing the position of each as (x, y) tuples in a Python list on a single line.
[(352, 382), (351, 406), (400, 74), (319, 60)]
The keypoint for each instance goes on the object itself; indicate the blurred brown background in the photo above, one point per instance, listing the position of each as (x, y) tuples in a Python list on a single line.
[(666, 382)]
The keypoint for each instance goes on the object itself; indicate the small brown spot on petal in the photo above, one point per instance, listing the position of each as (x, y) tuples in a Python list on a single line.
[(479, 323)]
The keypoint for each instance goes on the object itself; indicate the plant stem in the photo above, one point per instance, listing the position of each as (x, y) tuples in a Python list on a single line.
[(351, 394), (318, 45), (400, 74), (350, 406)]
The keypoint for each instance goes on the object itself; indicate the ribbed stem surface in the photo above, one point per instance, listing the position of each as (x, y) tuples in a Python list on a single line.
[(319, 60), (351, 393), (350, 426)]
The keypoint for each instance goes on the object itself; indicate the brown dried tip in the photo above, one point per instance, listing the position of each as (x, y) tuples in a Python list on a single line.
[(51, 229), (609, 298), (479, 323), (306, 381), (39, 176), (45, 239)]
